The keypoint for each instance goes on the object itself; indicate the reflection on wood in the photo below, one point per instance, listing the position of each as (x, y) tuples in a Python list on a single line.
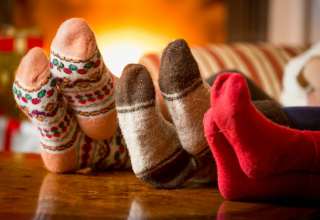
[(28, 191)]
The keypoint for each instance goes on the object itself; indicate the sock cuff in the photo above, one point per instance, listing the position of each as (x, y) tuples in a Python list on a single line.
[(170, 171)]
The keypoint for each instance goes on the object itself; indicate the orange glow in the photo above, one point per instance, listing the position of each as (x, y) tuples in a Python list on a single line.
[(127, 29), (123, 46)]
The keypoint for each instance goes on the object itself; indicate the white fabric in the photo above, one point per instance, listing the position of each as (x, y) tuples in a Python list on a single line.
[(149, 138), (26, 139), (293, 93)]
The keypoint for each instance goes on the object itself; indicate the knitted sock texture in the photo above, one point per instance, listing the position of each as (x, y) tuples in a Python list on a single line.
[(155, 151)]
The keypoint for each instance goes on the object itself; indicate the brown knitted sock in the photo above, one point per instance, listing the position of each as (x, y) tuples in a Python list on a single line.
[(256, 92), (155, 151), (185, 95), (273, 110)]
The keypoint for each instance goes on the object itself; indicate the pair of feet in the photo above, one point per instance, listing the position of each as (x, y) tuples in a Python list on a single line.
[(162, 153), (70, 98), (79, 108), (257, 158)]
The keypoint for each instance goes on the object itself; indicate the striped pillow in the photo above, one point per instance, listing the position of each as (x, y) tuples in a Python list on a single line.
[(263, 63)]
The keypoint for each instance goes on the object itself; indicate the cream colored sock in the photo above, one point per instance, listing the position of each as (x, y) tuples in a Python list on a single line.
[(155, 151)]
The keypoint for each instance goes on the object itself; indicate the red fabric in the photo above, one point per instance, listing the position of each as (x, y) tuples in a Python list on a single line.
[(12, 126), (34, 42), (256, 158), (6, 44), (256, 138)]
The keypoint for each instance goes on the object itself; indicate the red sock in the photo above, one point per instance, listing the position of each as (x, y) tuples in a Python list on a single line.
[(234, 184), (262, 146)]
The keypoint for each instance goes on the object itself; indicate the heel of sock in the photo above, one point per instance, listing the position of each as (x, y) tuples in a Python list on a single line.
[(171, 173), (206, 172)]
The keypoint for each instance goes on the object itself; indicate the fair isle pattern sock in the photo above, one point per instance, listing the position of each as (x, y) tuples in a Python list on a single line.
[(86, 84), (109, 154), (155, 151), (65, 147), (58, 128), (185, 95), (263, 147), (88, 88)]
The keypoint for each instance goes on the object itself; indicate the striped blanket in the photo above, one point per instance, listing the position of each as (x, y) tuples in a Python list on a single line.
[(263, 63)]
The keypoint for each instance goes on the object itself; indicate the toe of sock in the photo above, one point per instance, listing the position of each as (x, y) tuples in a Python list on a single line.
[(178, 69), (33, 69), (74, 39), (134, 86), (230, 89)]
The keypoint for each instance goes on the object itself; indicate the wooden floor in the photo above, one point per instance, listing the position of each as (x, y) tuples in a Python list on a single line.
[(28, 191)]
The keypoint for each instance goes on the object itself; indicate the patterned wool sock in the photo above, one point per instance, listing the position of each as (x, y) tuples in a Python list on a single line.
[(86, 83), (186, 97), (233, 182), (155, 151), (263, 147), (65, 148)]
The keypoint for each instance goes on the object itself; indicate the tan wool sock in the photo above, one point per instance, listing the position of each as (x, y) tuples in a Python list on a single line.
[(155, 151), (186, 97)]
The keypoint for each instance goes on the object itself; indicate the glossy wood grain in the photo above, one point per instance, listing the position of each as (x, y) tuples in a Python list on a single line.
[(28, 191)]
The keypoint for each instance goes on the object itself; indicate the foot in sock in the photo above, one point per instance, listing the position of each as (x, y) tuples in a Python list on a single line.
[(262, 147), (233, 182), (155, 151), (262, 101), (65, 147), (186, 97), (86, 83)]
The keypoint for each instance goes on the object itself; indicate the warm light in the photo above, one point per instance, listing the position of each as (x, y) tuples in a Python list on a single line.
[(125, 46)]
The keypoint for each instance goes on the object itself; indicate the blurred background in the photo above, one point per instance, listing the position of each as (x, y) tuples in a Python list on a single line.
[(126, 29)]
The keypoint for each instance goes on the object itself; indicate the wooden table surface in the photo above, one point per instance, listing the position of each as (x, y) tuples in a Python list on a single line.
[(28, 191)]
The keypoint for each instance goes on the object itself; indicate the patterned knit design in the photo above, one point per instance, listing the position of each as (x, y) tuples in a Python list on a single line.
[(86, 84), (60, 132)]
